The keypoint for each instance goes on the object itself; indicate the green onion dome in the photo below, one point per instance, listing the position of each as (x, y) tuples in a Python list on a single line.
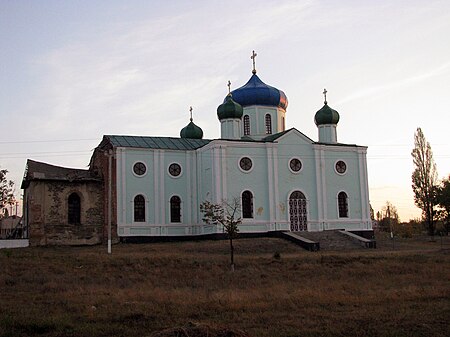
[(326, 115), (191, 131), (229, 109)]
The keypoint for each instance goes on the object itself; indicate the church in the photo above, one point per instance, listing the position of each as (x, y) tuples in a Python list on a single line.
[(153, 186)]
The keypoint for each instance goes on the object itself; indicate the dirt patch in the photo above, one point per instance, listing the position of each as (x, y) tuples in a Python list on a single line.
[(199, 330)]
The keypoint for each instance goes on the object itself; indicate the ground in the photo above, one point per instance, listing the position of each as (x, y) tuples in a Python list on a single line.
[(278, 289)]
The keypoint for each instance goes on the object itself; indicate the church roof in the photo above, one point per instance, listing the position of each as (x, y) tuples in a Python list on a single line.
[(164, 143), (326, 115), (36, 170), (256, 92), (229, 109), (170, 143)]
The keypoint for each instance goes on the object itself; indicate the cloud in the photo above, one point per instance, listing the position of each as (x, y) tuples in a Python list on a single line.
[(405, 82)]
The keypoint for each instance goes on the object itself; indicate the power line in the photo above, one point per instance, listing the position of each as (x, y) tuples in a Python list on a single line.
[(46, 141)]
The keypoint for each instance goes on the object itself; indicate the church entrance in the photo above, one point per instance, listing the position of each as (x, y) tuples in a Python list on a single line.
[(297, 211)]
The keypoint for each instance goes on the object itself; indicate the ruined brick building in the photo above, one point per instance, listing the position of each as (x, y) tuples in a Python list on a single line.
[(62, 206)]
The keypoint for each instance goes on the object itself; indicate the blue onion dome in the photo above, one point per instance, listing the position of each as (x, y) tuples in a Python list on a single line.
[(229, 109), (191, 131), (256, 92), (326, 115)]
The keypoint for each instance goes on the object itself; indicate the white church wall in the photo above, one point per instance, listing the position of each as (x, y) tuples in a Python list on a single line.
[(290, 146)]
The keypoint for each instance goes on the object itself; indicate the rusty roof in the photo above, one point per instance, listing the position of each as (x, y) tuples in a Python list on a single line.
[(42, 171)]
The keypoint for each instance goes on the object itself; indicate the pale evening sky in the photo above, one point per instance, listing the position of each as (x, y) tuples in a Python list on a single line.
[(72, 71)]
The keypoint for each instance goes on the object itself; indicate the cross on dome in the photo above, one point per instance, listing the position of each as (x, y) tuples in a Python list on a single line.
[(253, 58), (229, 87), (190, 110), (325, 95)]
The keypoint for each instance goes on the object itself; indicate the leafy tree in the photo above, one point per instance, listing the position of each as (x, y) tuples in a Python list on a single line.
[(227, 215), (6, 192), (424, 179), (443, 202)]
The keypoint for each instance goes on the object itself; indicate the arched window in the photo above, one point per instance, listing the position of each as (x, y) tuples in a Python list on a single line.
[(343, 205), (139, 208), (246, 125), (175, 209), (283, 125), (74, 209), (247, 204), (268, 124)]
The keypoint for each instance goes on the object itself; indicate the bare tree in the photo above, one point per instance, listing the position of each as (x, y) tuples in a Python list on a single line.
[(6, 191), (225, 214), (424, 179), (388, 218)]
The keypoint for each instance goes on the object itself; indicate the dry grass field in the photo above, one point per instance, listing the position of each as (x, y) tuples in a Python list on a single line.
[(144, 288)]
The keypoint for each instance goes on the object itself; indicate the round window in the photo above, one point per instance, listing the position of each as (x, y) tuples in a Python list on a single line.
[(341, 167), (295, 164), (175, 170), (245, 163), (139, 168)]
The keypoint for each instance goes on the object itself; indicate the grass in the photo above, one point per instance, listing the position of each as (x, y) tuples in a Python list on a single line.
[(278, 289)]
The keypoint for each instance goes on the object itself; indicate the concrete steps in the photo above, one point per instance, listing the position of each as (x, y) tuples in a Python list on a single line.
[(331, 240)]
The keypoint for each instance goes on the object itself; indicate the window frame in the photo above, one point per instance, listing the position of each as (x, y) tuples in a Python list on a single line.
[(181, 170), (172, 201), (343, 206), (268, 123), (143, 208), (244, 210), (139, 175), (336, 170), (251, 162), (301, 165), (246, 122), (70, 210)]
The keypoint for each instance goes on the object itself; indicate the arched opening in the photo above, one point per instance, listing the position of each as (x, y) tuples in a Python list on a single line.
[(175, 209), (246, 125), (268, 124), (297, 212), (343, 205), (139, 208), (74, 209), (247, 205)]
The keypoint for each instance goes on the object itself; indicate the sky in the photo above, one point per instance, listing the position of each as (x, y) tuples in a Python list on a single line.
[(72, 71)]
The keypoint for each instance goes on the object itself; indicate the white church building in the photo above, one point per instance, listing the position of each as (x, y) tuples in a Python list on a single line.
[(153, 186), (284, 180)]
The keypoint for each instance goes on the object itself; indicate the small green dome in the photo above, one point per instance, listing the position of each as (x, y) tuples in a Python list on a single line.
[(229, 109), (191, 131), (326, 115)]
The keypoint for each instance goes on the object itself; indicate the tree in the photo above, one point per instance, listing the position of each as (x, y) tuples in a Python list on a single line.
[(227, 215), (6, 192), (424, 179), (388, 218), (443, 202)]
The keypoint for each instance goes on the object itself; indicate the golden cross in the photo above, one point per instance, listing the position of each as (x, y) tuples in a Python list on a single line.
[(229, 87), (190, 109), (325, 95), (253, 58)]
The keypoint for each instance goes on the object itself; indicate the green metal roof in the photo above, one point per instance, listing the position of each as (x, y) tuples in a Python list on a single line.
[(165, 143), (169, 143)]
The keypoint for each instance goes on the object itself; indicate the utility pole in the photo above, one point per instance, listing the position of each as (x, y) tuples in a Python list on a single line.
[(110, 155)]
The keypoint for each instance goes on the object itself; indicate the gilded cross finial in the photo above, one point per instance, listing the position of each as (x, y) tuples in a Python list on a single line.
[(253, 58), (190, 110), (229, 87), (325, 95)]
